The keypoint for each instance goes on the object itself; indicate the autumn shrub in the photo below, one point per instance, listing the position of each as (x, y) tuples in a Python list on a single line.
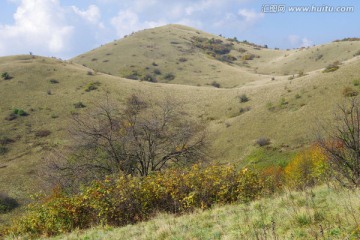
[(308, 168), (332, 67), (350, 92), (122, 200)]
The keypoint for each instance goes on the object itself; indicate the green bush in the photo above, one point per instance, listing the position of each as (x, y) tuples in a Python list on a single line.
[(169, 76), (149, 78), (7, 203), (19, 112), (6, 76), (215, 84), (3, 150), (243, 98), (53, 81), (79, 105), (157, 72), (92, 86), (121, 200)]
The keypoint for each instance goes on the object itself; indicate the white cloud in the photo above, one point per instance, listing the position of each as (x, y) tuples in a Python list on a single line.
[(202, 6), (250, 16), (297, 41), (92, 14), (294, 40), (39, 26), (128, 21), (305, 42)]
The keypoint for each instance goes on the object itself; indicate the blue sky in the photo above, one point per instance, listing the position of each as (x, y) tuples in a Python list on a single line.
[(64, 28)]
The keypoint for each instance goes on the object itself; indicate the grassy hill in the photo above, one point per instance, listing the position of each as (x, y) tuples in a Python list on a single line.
[(322, 213), (279, 106)]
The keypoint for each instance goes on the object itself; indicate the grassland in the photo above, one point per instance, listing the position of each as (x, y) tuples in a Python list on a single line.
[(320, 213), (283, 104)]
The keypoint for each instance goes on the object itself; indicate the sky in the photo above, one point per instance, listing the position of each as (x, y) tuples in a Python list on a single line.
[(65, 29)]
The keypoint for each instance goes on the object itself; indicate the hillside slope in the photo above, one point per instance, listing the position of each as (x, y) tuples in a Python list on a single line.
[(321, 214), (197, 58), (281, 109)]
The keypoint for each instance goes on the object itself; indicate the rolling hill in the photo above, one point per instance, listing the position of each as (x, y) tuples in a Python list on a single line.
[(285, 91)]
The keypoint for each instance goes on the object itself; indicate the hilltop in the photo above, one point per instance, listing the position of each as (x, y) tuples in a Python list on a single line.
[(260, 92)]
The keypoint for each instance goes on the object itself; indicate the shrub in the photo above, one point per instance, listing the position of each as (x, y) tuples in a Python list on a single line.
[(20, 112), (215, 84), (5, 140), (6, 76), (356, 82), (3, 150), (79, 105), (357, 53), (149, 78), (169, 76), (182, 59), (263, 141), (350, 92), (308, 168), (245, 109), (332, 67), (11, 116), (247, 57), (157, 71), (243, 98), (270, 106), (92, 86), (7, 203), (53, 81), (90, 73), (42, 133), (155, 64), (121, 200)]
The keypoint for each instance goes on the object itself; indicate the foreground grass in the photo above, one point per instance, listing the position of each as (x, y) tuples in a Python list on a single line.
[(321, 213)]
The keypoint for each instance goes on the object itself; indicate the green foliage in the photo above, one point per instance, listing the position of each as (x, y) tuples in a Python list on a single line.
[(212, 46), (20, 112), (92, 86), (6, 76), (7, 203), (122, 200), (243, 98)]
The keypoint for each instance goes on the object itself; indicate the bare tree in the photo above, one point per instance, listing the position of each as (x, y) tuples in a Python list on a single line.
[(142, 138), (342, 143)]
